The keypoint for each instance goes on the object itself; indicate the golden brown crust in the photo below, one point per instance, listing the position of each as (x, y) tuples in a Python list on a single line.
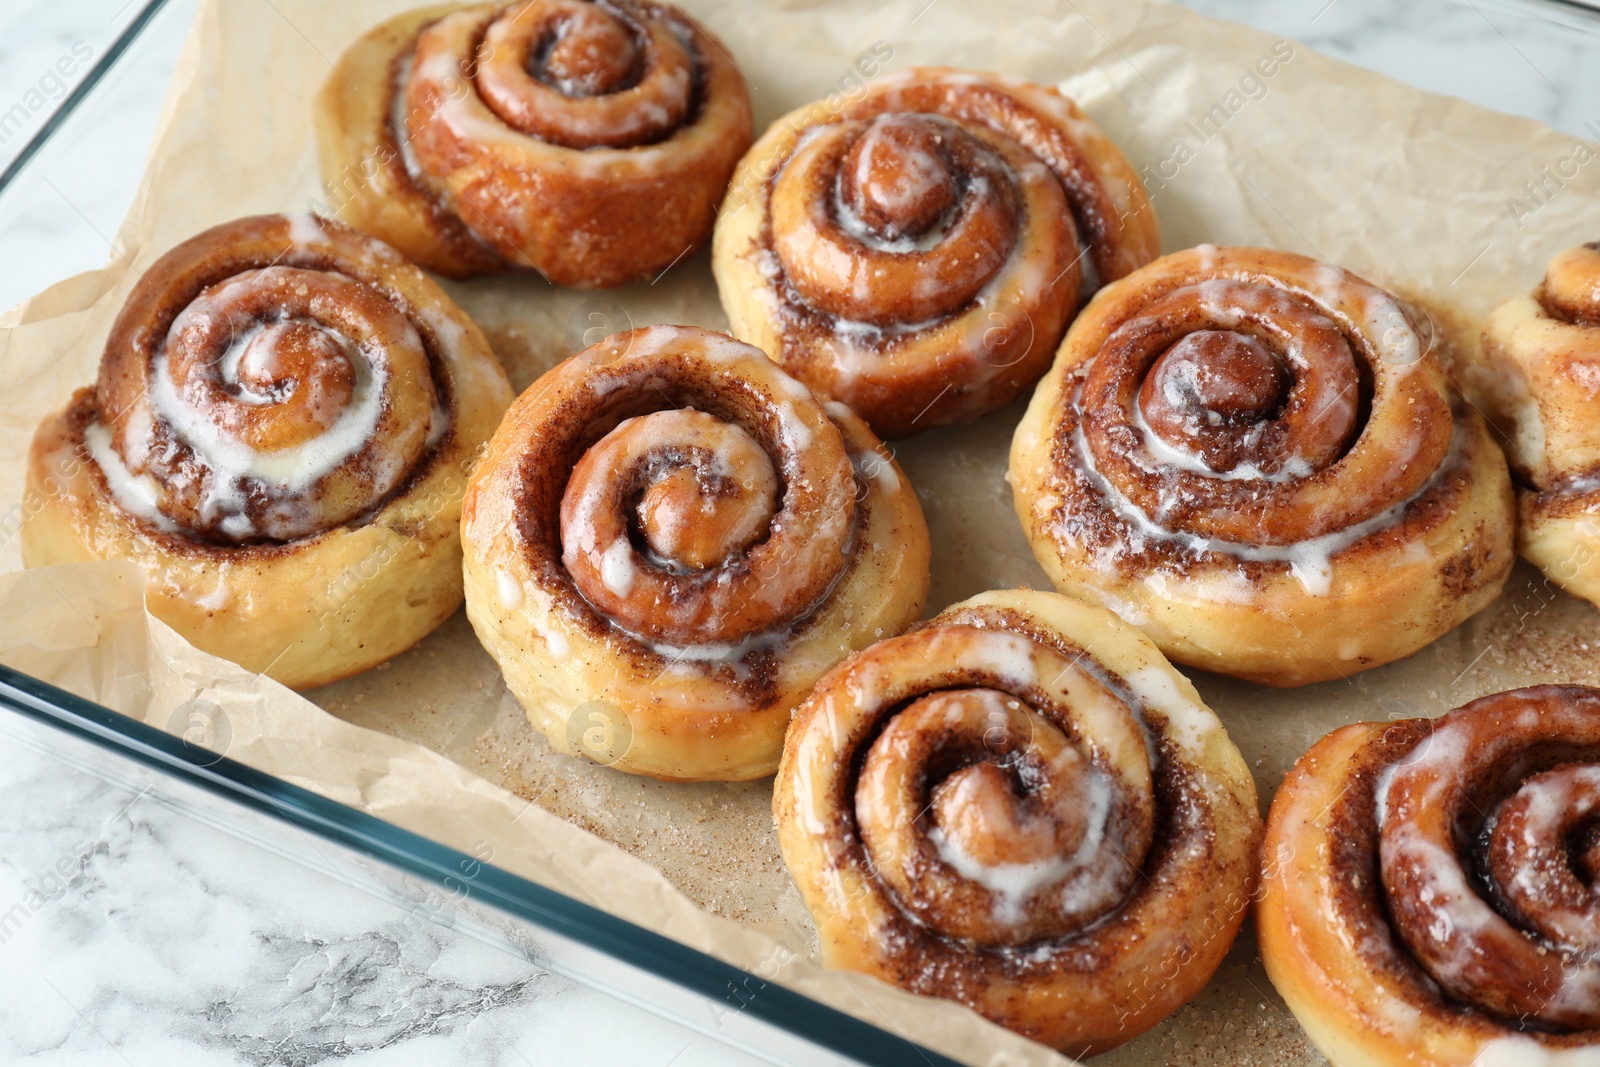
[(672, 533), (588, 141), (1022, 807), (286, 415), (1540, 382), (1257, 459), (1414, 906), (914, 253)]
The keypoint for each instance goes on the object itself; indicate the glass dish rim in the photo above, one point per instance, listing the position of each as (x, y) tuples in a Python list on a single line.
[(524, 900), (538, 906)]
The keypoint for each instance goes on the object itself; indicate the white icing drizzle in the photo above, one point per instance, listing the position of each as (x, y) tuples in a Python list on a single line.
[(397, 115), (1310, 561), (1517, 1051), (137, 494), (616, 567), (305, 231), (655, 340), (874, 467), (1188, 724), (1381, 318), (228, 364), (290, 470), (711, 653), (837, 410), (1168, 456), (221, 594), (1013, 885), (1459, 912), (1013, 656), (509, 587)]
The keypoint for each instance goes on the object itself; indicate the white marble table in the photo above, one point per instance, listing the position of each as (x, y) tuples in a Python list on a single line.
[(130, 934)]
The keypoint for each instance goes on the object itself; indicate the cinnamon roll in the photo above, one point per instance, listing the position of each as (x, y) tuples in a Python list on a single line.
[(1259, 460), (280, 436), (918, 252), (1431, 888), (1021, 806), (589, 140), (671, 538), (1543, 387)]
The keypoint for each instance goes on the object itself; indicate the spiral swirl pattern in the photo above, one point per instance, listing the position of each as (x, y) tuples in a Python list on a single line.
[(675, 499), (723, 557), (266, 383), (1026, 835), (1231, 408), (279, 437), (1254, 417), (576, 73), (924, 208), (1540, 383), (990, 810), (915, 253), (589, 140), (1469, 846)]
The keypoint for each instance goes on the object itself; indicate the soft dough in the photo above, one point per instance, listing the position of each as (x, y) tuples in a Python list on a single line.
[(669, 539), (918, 252), (588, 142), (1257, 459), (286, 415), (1021, 806), (1428, 892), (1540, 382)]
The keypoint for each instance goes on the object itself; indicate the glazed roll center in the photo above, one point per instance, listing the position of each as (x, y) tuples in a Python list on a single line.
[(1541, 856), (1242, 413), (990, 824), (1273, 389), (900, 219), (1572, 285), (1487, 855), (282, 402), (693, 528), (305, 373), (579, 74), (985, 810), (894, 180), (1210, 393), (710, 504), (589, 54)]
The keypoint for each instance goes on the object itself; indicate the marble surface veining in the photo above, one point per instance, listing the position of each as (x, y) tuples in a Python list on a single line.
[(1529, 59), (132, 934)]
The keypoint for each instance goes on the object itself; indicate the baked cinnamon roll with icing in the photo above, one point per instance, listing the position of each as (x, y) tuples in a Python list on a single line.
[(918, 252), (589, 140), (1021, 806), (670, 539), (1431, 886), (1542, 354), (1258, 460), (286, 414)]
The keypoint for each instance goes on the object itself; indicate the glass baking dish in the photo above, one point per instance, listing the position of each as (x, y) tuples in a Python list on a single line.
[(634, 977)]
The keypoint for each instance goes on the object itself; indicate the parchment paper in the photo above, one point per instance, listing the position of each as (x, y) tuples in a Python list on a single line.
[(1423, 193)]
